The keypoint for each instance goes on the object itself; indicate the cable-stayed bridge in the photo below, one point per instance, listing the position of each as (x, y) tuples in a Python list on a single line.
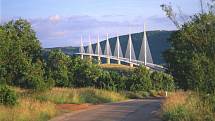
[(130, 58)]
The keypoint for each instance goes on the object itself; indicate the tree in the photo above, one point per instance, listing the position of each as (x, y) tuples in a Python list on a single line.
[(162, 81), (57, 67), (191, 56), (20, 55), (85, 73), (139, 80)]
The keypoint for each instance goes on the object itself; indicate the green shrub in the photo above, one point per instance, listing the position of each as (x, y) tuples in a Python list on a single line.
[(7, 96), (105, 81), (153, 93), (144, 93), (57, 64), (134, 95), (162, 81), (179, 113), (119, 80), (139, 80)]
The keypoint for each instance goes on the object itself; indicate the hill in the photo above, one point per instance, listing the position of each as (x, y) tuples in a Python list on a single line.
[(158, 43)]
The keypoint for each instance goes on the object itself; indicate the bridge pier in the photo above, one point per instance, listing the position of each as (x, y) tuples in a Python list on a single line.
[(90, 58), (131, 64), (82, 56), (108, 60), (99, 60), (118, 61)]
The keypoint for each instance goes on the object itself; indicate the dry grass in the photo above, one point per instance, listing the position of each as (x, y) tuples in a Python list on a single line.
[(116, 67), (42, 106), (188, 106), (174, 100), (80, 95), (28, 110)]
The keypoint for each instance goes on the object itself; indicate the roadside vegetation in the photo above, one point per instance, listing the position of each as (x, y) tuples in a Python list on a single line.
[(189, 106), (41, 106), (79, 96), (190, 60)]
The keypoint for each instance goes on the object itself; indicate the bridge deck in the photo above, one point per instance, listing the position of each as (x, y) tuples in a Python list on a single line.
[(126, 60)]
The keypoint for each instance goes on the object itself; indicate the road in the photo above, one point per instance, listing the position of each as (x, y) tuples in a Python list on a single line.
[(132, 110)]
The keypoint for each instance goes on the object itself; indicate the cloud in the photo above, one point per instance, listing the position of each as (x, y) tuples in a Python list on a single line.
[(55, 18), (60, 34), (66, 30)]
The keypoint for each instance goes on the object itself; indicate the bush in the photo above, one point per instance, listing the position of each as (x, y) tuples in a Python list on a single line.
[(179, 113), (139, 80), (118, 80), (133, 95), (153, 93), (162, 81), (144, 93), (57, 67), (7, 96)]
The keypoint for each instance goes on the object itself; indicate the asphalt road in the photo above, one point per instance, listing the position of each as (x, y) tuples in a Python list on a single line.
[(132, 110)]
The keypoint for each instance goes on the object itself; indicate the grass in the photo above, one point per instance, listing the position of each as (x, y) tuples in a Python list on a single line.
[(116, 67), (28, 110), (189, 106), (80, 95), (42, 106)]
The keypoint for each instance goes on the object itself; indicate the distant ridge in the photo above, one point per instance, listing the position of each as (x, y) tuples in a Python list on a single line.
[(158, 43)]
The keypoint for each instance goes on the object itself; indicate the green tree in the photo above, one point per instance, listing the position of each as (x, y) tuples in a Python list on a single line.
[(57, 67), (20, 55), (139, 80), (162, 81), (119, 80), (86, 73), (191, 56)]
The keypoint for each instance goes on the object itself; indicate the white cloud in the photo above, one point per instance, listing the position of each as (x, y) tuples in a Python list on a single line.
[(68, 30), (60, 33), (55, 18)]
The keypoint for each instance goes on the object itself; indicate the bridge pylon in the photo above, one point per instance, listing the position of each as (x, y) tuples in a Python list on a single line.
[(98, 51), (108, 51), (90, 50), (81, 49), (145, 54), (130, 50), (118, 49), (145, 39)]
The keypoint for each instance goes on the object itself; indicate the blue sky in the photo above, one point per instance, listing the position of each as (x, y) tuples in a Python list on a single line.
[(63, 22)]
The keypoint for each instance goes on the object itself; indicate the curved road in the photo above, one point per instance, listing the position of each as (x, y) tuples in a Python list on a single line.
[(132, 110)]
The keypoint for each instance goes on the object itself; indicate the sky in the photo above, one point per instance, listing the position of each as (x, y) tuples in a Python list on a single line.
[(60, 23)]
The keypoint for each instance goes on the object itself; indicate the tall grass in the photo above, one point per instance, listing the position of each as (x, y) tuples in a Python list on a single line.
[(188, 106), (41, 106), (80, 95), (28, 110)]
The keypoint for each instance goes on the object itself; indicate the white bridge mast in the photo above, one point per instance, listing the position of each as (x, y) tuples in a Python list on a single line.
[(145, 40)]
